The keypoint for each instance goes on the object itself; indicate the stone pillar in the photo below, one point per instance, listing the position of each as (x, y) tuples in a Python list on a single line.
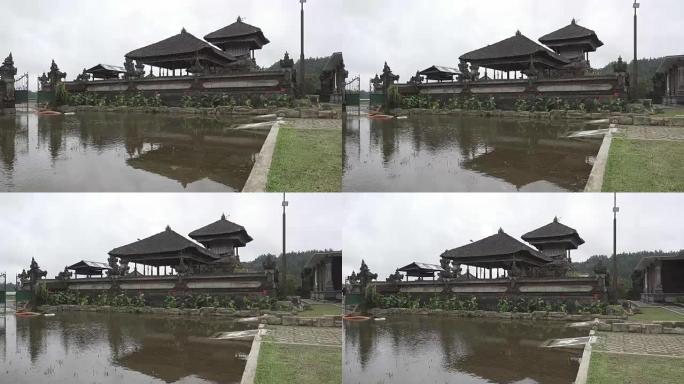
[(329, 286), (658, 285), (7, 98)]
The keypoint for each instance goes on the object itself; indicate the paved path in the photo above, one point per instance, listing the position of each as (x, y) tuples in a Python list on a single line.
[(636, 132), (330, 124), (304, 335), (640, 344)]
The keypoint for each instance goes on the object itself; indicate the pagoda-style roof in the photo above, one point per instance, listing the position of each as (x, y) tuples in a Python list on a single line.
[(181, 51), (164, 248), (421, 269), (85, 267), (440, 73), (106, 71), (553, 233), (572, 34), (498, 250), (222, 229), (515, 54), (238, 34)]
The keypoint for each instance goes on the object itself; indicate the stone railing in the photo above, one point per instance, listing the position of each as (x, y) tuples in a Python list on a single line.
[(247, 316), (172, 89)]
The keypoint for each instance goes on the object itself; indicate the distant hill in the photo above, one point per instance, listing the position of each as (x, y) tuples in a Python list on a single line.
[(626, 264), (313, 67), (647, 69)]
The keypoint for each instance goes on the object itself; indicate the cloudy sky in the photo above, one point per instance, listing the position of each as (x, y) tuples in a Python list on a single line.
[(61, 229), (409, 34), (389, 231)]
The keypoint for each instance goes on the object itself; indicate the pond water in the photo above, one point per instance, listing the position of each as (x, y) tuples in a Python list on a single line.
[(466, 154), (420, 349), (75, 348), (113, 152)]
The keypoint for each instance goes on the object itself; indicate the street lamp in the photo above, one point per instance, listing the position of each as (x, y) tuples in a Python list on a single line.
[(635, 75), (301, 57), (285, 204), (616, 209)]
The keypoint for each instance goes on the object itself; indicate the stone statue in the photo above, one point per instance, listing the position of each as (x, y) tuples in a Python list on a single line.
[(465, 73), (182, 269), (377, 84), (388, 78), (287, 62), (65, 275), (353, 278), (139, 70), (35, 273), (83, 77), (446, 266), (197, 68), (532, 73), (7, 73), (130, 69), (474, 72), (394, 278), (365, 275), (417, 79), (114, 265), (55, 76), (44, 81)]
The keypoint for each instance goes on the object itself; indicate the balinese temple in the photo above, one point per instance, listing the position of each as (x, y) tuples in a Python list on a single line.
[(516, 53), (421, 270), (554, 240), (106, 71), (497, 252), (238, 39), (183, 52), (439, 73), (660, 278), (88, 268), (165, 249), (322, 274), (224, 238), (670, 75), (333, 79), (573, 42)]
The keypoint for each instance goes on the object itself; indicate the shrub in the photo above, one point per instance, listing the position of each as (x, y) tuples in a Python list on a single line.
[(393, 97), (61, 95)]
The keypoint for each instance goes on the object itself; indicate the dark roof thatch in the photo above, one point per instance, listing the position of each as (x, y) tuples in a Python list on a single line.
[(515, 47), (421, 267), (106, 67), (239, 31), (183, 45), (438, 72), (500, 244), (552, 230), (163, 242), (573, 31), (646, 262), (94, 265), (222, 227)]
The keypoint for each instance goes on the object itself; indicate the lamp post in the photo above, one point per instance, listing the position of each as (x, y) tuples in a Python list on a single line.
[(301, 56), (635, 75), (615, 265), (284, 204)]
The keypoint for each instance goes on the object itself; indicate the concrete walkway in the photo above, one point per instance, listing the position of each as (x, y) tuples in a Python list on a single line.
[(640, 132), (640, 344), (304, 335)]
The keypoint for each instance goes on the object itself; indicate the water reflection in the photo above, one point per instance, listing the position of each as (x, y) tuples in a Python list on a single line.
[(446, 350), (92, 347), (446, 153), (125, 152)]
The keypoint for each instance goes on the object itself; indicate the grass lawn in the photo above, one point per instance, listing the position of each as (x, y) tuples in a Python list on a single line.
[(657, 314), (301, 364), (321, 310), (306, 160), (671, 112), (644, 166), (608, 368)]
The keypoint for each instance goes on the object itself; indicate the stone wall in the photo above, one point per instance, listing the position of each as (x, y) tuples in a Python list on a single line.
[(488, 292), (157, 288), (533, 316), (172, 89), (506, 92)]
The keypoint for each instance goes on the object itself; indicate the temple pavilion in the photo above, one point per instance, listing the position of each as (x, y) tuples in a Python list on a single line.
[(238, 39), (671, 75), (421, 270), (551, 258), (659, 278), (322, 275), (88, 268), (106, 71), (218, 252), (183, 51), (573, 42), (439, 73)]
